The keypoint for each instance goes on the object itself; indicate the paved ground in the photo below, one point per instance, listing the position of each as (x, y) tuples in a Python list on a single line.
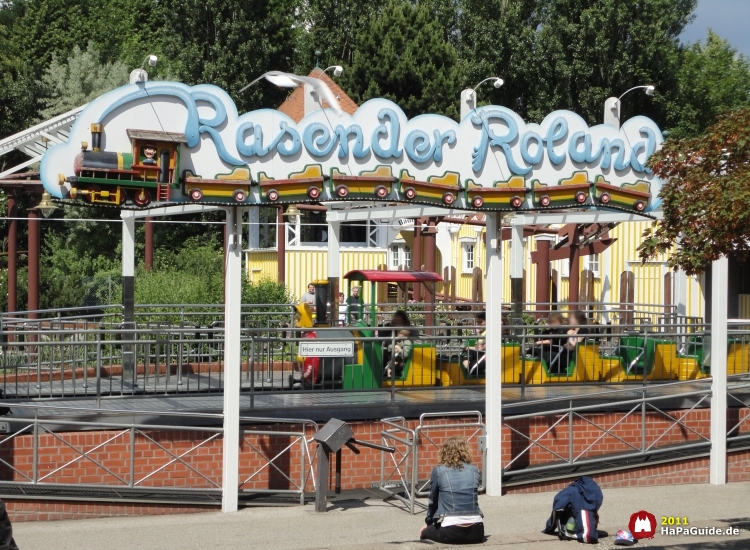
[(512, 522)]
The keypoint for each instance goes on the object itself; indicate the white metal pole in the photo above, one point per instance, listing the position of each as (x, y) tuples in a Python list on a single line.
[(719, 282), (493, 411), (517, 257), (232, 360), (128, 297), (334, 256)]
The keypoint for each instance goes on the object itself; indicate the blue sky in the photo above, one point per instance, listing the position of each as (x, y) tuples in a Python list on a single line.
[(730, 19)]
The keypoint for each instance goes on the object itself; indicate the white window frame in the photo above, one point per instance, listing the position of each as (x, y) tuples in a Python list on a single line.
[(465, 253), (596, 261), (401, 253), (375, 235)]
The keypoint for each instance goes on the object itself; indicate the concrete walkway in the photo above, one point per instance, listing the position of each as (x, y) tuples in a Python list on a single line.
[(513, 521)]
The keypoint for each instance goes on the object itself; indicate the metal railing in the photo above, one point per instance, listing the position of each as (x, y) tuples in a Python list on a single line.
[(60, 447), (400, 471), (536, 445)]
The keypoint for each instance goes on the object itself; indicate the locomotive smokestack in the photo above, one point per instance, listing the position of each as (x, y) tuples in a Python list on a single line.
[(96, 137)]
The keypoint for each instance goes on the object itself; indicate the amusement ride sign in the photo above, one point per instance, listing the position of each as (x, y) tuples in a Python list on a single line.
[(166, 143)]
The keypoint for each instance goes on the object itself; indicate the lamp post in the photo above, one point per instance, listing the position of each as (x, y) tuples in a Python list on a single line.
[(612, 105), (337, 70), (469, 95), (139, 75)]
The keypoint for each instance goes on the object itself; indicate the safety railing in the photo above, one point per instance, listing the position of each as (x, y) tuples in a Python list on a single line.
[(570, 432), (405, 473), (71, 449), (85, 361)]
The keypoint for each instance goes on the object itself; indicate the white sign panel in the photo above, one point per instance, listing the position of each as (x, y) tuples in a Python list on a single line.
[(326, 349)]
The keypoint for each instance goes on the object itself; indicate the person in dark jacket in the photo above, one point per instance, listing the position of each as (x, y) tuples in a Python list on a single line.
[(453, 514), (581, 501), (6, 530)]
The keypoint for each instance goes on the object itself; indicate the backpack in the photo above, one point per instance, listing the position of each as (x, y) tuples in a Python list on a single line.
[(575, 511)]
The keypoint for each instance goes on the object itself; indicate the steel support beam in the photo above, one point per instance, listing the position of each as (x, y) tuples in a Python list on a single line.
[(719, 283), (33, 258), (590, 216), (391, 213), (128, 297), (173, 210), (232, 360), (12, 253), (517, 256), (493, 396), (334, 269)]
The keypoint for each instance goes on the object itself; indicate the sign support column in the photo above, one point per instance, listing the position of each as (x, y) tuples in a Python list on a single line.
[(516, 271), (232, 360), (719, 283), (493, 411), (334, 269), (128, 298)]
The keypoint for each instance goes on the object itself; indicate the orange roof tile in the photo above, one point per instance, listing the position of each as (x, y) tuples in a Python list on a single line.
[(294, 105)]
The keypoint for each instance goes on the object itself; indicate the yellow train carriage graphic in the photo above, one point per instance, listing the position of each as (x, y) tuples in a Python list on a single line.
[(439, 190), (235, 185), (508, 194), (373, 184), (304, 186), (573, 191), (629, 195)]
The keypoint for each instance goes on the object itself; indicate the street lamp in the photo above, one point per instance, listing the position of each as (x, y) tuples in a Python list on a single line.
[(337, 70), (139, 75), (290, 80), (292, 213), (612, 105), (469, 95), (46, 207)]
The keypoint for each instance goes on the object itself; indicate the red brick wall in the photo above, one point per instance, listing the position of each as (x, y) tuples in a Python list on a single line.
[(109, 453)]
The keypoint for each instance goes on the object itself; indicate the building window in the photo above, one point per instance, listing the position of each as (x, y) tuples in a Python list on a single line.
[(468, 265), (311, 229), (353, 233), (267, 228), (400, 257), (592, 264)]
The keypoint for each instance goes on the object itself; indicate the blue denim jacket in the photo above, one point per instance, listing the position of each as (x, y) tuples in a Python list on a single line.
[(453, 492)]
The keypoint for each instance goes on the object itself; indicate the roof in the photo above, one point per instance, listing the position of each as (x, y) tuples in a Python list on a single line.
[(294, 105), (153, 135), (381, 276)]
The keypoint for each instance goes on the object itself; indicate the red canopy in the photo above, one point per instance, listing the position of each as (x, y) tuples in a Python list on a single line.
[(380, 276)]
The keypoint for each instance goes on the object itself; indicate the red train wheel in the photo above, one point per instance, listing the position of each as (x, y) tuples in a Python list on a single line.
[(478, 202), (239, 195), (545, 200), (448, 198), (92, 192), (142, 197), (342, 191), (410, 193), (196, 194), (640, 206), (272, 195), (516, 202), (580, 197), (605, 198), (313, 192), (381, 191)]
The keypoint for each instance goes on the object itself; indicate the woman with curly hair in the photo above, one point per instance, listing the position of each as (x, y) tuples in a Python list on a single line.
[(453, 514)]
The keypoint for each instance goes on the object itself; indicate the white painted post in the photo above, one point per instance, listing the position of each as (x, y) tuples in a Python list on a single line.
[(612, 112), (493, 388), (517, 257), (719, 283), (232, 360), (334, 256), (128, 298), (680, 293), (253, 227), (468, 102)]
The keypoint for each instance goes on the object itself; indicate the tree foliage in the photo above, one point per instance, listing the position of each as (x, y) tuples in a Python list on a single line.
[(403, 57), (82, 78), (705, 197)]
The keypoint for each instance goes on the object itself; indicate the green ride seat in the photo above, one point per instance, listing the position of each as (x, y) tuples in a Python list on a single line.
[(636, 354)]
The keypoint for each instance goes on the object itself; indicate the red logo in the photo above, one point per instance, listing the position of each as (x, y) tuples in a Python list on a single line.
[(642, 525)]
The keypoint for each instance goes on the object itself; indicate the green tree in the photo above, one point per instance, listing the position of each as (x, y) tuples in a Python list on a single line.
[(705, 197), (231, 42), (711, 79), (403, 56), (80, 79)]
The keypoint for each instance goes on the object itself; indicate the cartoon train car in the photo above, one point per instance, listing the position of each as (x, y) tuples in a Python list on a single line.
[(573, 191), (304, 186), (504, 195), (149, 172), (235, 185), (439, 190), (374, 184), (629, 195)]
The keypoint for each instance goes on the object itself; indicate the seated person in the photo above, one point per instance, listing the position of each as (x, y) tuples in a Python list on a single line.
[(397, 350), (581, 329), (552, 346), (453, 514), (474, 361)]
